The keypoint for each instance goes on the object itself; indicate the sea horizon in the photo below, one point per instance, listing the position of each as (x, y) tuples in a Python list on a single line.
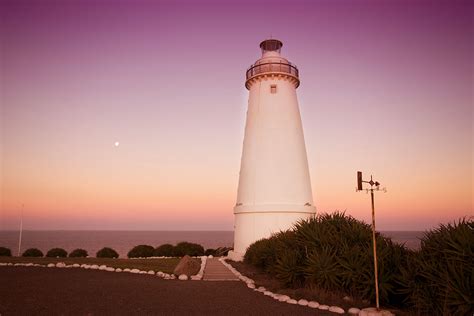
[(124, 240)]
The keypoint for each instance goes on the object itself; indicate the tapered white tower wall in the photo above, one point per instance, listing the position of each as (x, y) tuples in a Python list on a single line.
[(274, 185)]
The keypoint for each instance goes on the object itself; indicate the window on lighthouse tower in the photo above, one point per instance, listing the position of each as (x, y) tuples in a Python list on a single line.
[(273, 88)]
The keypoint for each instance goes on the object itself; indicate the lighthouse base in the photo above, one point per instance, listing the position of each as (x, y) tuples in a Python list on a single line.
[(252, 226)]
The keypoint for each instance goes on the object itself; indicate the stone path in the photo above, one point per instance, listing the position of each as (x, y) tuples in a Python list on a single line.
[(216, 271)]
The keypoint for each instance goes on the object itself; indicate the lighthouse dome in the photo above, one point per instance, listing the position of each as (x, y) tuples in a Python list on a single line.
[(271, 63)]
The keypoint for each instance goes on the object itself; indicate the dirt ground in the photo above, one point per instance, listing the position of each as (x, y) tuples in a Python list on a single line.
[(54, 291)]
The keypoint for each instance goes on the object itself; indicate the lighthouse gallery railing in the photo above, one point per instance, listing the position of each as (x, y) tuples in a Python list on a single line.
[(272, 67)]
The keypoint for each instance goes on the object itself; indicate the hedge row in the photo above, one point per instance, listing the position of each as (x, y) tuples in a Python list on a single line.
[(140, 251), (333, 252)]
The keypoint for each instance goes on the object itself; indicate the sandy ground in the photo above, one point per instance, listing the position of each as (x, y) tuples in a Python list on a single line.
[(53, 291)]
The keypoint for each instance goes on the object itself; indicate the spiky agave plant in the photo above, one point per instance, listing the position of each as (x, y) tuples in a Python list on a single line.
[(289, 257), (342, 259), (444, 271)]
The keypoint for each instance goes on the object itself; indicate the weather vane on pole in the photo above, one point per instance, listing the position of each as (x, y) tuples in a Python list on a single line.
[(377, 188)]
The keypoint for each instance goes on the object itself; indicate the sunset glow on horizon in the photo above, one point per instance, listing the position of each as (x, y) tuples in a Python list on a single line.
[(130, 116)]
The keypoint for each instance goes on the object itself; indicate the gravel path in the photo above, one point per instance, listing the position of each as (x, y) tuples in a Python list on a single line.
[(53, 291)]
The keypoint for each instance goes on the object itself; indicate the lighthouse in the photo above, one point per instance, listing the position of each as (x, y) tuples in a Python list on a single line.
[(274, 184)]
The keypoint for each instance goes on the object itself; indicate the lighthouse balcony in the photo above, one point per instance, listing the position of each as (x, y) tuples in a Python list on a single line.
[(272, 68)]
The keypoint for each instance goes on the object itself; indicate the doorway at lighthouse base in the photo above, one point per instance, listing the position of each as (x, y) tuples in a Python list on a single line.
[(253, 226)]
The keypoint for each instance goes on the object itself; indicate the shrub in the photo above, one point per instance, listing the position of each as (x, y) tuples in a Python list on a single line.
[(262, 253), (78, 253), (56, 252), (32, 252), (165, 250), (141, 251), (107, 252), (440, 277), (210, 252), (187, 248), (5, 252), (332, 252), (222, 251)]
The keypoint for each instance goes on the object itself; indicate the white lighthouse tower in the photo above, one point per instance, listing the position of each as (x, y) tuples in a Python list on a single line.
[(274, 186)]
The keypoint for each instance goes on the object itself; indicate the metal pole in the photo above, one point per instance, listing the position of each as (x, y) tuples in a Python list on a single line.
[(21, 232), (375, 251)]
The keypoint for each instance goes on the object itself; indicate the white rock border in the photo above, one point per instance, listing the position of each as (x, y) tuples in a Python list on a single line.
[(302, 302), (160, 274)]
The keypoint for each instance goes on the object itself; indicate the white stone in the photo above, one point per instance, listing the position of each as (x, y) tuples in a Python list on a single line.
[(250, 285), (160, 274), (196, 277), (151, 272), (183, 277), (118, 270), (3, 264), (313, 304), (102, 267), (51, 265), (76, 265), (283, 298), (292, 301), (210, 256), (323, 307), (110, 269), (17, 264), (261, 289), (336, 309), (126, 270), (353, 311), (9, 264), (143, 272), (267, 293), (134, 271), (87, 266), (303, 302), (172, 277), (29, 264)]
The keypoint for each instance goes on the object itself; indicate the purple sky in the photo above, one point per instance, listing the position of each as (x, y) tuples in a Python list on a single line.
[(386, 87)]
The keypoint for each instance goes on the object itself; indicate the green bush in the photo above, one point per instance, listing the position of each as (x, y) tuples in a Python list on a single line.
[(32, 252), (210, 252), (334, 252), (78, 253), (439, 279), (331, 252), (222, 251), (262, 254), (5, 252), (187, 248), (165, 250), (56, 253), (141, 251), (107, 252)]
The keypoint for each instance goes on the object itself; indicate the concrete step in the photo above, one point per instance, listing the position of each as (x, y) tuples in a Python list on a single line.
[(216, 271)]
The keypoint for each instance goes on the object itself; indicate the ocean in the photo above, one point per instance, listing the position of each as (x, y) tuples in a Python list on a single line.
[(123, 241)]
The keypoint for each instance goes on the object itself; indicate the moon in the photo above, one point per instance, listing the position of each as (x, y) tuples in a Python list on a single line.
[(116, 144)]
